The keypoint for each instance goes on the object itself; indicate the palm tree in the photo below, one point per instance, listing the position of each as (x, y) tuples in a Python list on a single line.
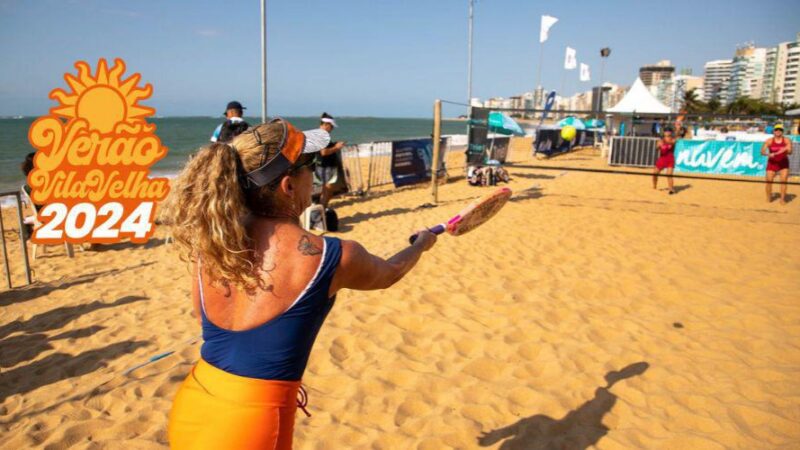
[(713, 105), (691, 103), (738, 106)]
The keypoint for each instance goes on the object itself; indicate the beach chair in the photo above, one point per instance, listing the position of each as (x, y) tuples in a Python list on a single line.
[(34, 220), (307, 216)]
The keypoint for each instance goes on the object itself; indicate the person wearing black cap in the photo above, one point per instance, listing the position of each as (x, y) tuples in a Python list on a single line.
[(233, 126), (328, 161)]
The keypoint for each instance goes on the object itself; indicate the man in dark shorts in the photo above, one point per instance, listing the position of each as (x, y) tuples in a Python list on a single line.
[(328, 161)]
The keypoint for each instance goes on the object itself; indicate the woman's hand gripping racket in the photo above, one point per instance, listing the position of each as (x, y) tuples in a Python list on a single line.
[(473, 215)]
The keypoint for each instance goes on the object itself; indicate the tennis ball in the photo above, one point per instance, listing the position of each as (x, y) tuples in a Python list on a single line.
[(568, 133)]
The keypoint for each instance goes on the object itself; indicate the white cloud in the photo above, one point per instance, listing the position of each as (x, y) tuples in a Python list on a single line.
[(208, 32)]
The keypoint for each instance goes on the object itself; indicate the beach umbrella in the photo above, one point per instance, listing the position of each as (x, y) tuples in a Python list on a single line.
[(501, 123), (572, 121), (595, 123)]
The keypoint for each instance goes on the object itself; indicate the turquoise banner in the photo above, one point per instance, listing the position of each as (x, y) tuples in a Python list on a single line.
[(720, 157)]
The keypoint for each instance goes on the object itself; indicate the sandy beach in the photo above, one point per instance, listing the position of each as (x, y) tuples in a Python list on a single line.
[(592, 312)]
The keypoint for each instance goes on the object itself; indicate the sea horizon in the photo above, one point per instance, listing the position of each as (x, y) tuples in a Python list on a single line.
[(183, 135)]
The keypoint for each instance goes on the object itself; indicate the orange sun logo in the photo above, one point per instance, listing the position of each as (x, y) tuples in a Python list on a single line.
[(94, 152), (104, 100)]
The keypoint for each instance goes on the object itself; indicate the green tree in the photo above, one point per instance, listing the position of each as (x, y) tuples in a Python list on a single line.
[(753, 107), (692, 103), (789, 107), (713, 105)]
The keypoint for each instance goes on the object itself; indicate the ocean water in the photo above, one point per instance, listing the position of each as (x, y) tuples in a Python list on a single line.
[(184, 135)]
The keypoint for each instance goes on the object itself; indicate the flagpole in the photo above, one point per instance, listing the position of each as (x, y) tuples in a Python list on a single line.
[(263, 61), (469, 59), (541, 57), (539, 77), (563, 81)]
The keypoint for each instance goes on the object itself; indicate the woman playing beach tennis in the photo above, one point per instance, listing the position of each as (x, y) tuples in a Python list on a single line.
[(666, 159), (777, 150), (262, 285)]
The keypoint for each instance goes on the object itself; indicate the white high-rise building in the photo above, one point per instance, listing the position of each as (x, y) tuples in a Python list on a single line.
[(717, 79), (791, 83), (775, 73), (672, 93), (539, 97), (747, 72)]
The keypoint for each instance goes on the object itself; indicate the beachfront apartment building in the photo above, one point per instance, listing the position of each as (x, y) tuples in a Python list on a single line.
[(775, 73), (652, 75), (671, 92), (659, 79), (581, 101), (770, 74), (716, 80), (499, 103), (791, 82), (539, 96), (747, 72), (780, 83)]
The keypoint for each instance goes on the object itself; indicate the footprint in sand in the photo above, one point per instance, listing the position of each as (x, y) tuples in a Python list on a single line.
[(340, 348), (411, 409)]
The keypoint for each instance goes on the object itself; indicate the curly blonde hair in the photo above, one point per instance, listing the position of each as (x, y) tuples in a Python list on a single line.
[(207, 206)]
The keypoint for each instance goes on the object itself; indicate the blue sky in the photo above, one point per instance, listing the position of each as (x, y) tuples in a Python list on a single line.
[(361, 57)]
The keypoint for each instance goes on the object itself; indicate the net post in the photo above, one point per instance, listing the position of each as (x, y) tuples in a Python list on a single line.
[(22, 239), (437, 137), (5, 252)]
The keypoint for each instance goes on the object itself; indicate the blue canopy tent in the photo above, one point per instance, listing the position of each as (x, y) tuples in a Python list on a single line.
[(595, 124), (501, 123), (572, 121)]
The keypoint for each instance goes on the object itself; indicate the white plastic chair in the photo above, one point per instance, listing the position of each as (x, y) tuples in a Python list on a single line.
[(306, 217), (34, 220)]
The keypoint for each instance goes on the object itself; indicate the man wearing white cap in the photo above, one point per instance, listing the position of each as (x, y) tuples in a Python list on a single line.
[(328, 164)]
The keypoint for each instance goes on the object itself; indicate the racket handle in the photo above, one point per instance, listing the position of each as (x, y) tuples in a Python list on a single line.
[(438, 229)]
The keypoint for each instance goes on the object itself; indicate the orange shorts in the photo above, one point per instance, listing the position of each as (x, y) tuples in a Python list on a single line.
[(214, 409)]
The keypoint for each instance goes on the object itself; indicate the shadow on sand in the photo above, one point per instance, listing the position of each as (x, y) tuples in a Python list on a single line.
[(125, 245), (25, 347), (530, 193), (61, 366), (41, 289), (581, 428), (57, 318)]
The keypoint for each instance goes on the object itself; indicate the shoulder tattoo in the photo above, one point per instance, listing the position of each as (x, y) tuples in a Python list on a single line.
[(307, 248)]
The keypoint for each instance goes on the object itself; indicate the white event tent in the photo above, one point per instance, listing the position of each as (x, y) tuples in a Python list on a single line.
[(639, 100)]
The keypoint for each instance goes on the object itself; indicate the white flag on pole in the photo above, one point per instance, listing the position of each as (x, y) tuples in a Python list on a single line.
[(570, 59), (585, 76), (547, 22)]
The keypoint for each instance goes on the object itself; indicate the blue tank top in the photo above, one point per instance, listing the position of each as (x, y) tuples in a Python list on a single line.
[(279, 348)]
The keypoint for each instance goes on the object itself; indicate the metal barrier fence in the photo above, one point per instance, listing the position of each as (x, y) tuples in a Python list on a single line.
[(376, 159), (455, 147), (642, 152), (380, 164), (633, 151), (21, 221), (352, 169)]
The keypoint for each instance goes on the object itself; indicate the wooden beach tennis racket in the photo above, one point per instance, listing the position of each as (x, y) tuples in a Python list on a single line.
[(473, 215)]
